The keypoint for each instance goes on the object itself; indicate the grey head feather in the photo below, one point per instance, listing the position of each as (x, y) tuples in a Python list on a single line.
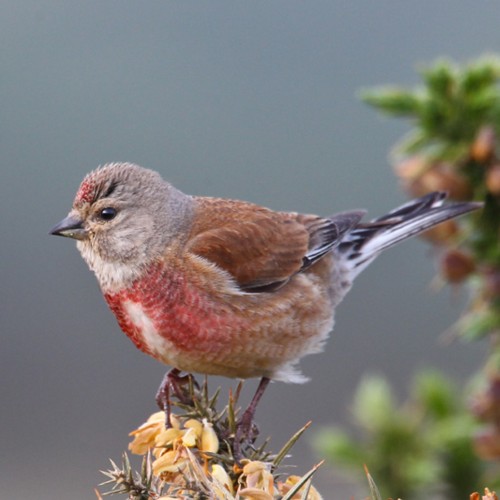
[(150, 215)]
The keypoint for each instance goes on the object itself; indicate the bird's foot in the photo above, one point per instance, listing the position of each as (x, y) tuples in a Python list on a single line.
[(246, 433), (246, 430), (173, 384)]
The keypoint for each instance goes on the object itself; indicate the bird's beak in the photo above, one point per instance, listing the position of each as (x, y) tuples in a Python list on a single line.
[(71, 227)]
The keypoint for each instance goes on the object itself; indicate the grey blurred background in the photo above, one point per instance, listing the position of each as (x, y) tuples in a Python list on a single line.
[(253, 100)]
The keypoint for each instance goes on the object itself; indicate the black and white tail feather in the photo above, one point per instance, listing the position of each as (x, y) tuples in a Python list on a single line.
[(364, 241)]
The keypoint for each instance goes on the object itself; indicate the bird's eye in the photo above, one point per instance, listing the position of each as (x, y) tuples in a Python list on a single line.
[(107, 213)]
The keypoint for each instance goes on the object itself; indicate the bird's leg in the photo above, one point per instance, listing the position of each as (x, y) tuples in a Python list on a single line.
[(172, 384), (244, 427)]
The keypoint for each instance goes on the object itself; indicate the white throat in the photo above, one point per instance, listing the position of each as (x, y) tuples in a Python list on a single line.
[(112, 276)]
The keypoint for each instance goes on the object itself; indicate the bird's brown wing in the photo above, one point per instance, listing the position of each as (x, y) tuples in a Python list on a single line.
[(261, 249)]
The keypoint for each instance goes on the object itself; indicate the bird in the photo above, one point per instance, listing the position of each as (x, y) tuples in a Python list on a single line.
[(227, 287)]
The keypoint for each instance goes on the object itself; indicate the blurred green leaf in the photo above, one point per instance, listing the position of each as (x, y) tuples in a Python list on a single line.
[(413, 450), (436, 394), (448, 109), (393, 101), (477, 324), (335, 444), (480, 74), (373, 404), (440, 79)]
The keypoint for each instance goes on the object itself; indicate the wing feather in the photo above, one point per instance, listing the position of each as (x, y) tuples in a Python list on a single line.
[(262, 249)]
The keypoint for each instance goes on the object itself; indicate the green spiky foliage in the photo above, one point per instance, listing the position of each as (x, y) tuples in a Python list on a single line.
[(413, 450), (431, 444)]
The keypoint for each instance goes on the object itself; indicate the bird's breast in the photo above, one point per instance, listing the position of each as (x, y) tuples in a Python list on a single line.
[(169, 318)]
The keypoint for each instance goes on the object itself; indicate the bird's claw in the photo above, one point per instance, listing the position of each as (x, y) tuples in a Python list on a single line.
[(173, 384)]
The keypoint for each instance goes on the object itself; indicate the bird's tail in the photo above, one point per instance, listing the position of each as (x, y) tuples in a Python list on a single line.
[(367, 240)]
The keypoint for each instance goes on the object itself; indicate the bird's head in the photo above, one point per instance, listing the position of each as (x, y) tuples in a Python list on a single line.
[(124, 217)]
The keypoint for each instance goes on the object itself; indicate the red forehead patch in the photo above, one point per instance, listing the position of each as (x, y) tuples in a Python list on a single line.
[(86, 192)]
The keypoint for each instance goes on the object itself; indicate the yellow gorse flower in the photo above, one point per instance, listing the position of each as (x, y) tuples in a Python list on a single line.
[(257, 475), (177, 462), (291, 481), (220, 475), (145, 435), (170, 461), (209, 439)]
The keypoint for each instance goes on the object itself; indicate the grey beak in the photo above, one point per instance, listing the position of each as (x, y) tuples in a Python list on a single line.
[(70, 227)]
